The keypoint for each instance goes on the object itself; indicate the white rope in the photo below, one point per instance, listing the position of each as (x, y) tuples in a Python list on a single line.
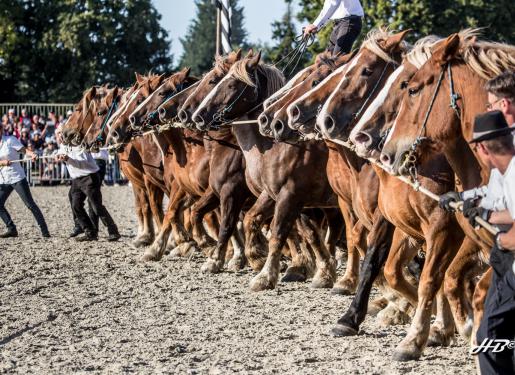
[(458, 206)]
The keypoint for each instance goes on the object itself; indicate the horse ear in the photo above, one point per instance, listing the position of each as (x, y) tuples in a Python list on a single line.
[(254, 61), (91, 94), (250, 54), (115, 92), (445, 51), (139, 78), (393, 42), (186, 72)]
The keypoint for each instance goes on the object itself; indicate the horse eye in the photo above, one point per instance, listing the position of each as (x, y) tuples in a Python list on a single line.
[(315, 83), (404, 85), (366, 72), (213, 82), (161, 94), (413, 92)]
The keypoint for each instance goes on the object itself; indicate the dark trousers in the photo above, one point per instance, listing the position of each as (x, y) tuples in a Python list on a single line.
[(23, 190), (92, 215), (498, 321), (88, 187), (345, 32)]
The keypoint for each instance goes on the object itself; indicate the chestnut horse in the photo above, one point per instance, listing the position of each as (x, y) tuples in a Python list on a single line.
[(452, 83), (275, 172)]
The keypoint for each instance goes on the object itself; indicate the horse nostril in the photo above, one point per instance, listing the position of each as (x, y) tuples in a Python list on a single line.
[(263, 120), (198, 119), (278, 126), (183, 116), (162, 113), (385, 159), (295, 113), (132, 120), (362, 138), (329, 123)]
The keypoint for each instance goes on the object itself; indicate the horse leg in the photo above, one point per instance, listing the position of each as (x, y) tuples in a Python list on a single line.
[(325, 275), (231, 203), (442, 242), (207, 202), (145, 234), (442, 329), (478, 302), (238, 259), (255, 241), (346, 285), (465, 266), (287, 209), (156, 250), (303, 260), (380, 239)]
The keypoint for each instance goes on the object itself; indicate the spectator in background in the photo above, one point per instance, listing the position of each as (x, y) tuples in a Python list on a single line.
[(38, 142), (5, 121), (24, 137), (25, 120), (34, 128), (11, 117)]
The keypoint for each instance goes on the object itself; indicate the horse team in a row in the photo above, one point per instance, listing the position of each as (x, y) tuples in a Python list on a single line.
[(298, 177)]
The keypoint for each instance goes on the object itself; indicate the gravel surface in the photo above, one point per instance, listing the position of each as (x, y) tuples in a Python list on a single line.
[(77, 308)]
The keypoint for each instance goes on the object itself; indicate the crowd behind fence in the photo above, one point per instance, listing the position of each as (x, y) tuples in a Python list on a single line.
[(49, 172), (34, 124)]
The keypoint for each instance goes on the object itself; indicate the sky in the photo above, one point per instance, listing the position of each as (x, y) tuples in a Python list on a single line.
[(259, 14)]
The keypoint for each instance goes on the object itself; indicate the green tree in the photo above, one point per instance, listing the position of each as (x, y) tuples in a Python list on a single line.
[(283, 34), (52, 50), (200, 43)]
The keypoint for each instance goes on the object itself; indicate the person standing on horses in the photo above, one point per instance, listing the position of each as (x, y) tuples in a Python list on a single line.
[(347, 17), (493, 142), (12, 177), (86, 184)]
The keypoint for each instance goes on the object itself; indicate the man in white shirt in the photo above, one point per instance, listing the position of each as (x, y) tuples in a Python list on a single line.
[(12, 177), (501, 95), (86, 185), (493, 142), (346, 15)]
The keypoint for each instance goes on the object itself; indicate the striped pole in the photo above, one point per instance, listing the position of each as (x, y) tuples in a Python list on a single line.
[(226, 26), (223, 32)]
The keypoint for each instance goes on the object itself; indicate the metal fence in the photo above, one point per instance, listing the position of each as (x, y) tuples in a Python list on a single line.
[(50, 172), (37, 108)]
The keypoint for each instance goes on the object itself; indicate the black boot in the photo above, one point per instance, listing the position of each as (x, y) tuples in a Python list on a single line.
[(10, 233), (88, 236), (114, 235), (76, 231)]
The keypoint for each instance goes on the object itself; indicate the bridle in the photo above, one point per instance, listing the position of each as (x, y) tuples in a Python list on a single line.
[(82, 122), (155, 114), (409, 164), (99, 139)]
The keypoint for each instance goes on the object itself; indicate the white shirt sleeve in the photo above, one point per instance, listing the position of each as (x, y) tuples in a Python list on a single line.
[(328, 10), (16, 144)]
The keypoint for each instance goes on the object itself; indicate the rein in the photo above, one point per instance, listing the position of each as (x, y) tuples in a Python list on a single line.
[(409, 163)]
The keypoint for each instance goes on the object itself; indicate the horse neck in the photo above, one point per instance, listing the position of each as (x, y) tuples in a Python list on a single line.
[(248, 137), (458, 153)]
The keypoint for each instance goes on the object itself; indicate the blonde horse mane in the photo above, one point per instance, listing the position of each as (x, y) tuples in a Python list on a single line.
[(373, 43), (422, 50), (274, 77), (485, 58)]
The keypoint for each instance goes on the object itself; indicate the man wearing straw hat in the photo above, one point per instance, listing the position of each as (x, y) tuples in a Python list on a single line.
[(12, 177)]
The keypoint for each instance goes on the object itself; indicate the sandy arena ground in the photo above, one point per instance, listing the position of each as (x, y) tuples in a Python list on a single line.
[(76, 308)]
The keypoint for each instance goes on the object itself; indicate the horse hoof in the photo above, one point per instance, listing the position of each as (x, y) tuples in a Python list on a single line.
[(188, 248), (293, 275), (437, 337), (340, 330), (405, 355), (261, 282), (212, 266), (236, 264), (344, 287), (324, 278), (376, 306), (257, 264), (392, 316), (176, 252), (142, 242), (149, 257)]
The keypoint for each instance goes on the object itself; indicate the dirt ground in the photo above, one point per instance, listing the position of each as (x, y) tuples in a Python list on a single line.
[(77, 308)]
